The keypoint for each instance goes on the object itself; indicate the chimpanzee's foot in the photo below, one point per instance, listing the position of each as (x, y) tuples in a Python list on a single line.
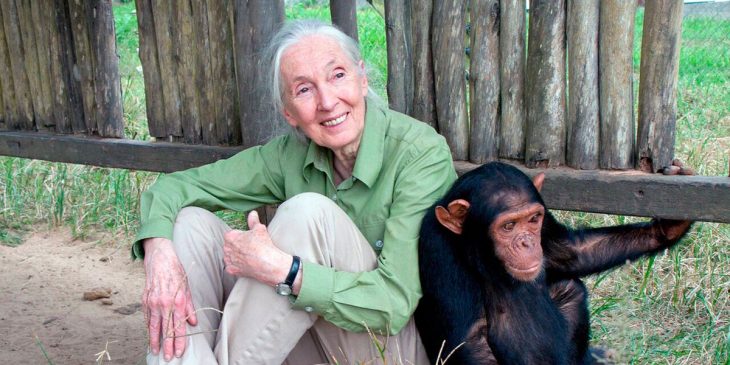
[(598, 356)]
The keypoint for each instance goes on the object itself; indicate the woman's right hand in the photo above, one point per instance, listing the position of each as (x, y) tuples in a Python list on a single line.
[(167, 301)]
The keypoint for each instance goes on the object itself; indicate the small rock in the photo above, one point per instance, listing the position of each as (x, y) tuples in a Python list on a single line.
[(107, 301), (129, 309), (104, 259), (97, 293)]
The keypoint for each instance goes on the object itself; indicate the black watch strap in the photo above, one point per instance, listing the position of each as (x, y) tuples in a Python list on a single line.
[(293, 271)]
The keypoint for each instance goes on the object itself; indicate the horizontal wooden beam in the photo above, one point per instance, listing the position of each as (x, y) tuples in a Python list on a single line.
[(635, 193), (702, 198)]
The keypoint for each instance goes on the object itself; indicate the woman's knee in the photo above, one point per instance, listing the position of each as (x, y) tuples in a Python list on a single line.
[(197, 227)]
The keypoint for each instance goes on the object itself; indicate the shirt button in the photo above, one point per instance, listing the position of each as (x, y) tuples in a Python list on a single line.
[(379, 243), (308, 309), (334, 197)]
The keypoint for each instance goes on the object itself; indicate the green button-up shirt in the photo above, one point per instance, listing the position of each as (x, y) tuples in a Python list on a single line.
[(403, 166)]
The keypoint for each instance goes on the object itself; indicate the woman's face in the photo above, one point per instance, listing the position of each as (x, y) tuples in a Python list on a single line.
[(324, 92)]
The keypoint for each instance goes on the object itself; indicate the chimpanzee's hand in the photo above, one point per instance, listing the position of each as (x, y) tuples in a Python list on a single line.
[(670, 229), (167, 300), (253, 254)]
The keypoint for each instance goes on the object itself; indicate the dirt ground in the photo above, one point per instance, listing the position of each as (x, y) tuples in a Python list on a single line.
[(42, 284)]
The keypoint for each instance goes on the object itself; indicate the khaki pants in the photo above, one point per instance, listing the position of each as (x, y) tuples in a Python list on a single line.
[(259, 326)]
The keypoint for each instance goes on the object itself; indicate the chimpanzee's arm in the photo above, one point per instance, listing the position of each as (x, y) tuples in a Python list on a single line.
[(571, 253)]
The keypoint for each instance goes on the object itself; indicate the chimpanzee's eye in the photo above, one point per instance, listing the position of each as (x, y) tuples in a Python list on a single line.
[(535, 218), (509, 226)]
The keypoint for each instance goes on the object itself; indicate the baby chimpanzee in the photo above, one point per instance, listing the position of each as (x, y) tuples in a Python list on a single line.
[(502, 276)]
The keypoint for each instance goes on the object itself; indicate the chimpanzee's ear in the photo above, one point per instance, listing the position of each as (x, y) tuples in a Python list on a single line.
[(452, 217), (538, 180)]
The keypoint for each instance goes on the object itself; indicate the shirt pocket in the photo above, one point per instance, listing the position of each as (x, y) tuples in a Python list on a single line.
[(373, 230)]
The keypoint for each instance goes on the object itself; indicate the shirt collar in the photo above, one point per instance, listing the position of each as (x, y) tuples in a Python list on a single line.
[(369, 155)]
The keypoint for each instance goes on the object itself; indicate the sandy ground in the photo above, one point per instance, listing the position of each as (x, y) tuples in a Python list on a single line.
[(42, 283)]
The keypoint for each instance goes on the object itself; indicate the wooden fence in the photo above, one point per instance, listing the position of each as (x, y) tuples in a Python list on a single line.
[(59, 73)]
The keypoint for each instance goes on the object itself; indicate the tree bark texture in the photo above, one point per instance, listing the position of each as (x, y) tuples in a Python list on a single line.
[(10, 107), (400, 72), (512, 79), (42, 19), (20, 83), (166, 52), (658, 83), (68, 107), (545, 78), (29, 57), (186, 42), (256, 21), (424, 98), (484, 81), (449, 21), (344, 15), (108, 90), (150, 69), (583, 101), (225, 92), (616, 40)]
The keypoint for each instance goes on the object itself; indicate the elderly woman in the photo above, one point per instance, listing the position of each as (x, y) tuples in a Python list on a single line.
[(338, 263)]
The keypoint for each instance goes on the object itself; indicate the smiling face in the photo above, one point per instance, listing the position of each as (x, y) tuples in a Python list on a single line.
[(324, 93)]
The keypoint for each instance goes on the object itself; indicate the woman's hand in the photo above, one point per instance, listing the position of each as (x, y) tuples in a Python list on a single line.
[(253, 254), (167, 301)]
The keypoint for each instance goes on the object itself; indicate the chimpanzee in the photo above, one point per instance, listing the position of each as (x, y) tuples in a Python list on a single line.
[(501, 276)]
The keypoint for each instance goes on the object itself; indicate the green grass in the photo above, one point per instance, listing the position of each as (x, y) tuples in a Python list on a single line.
[(674, 309)]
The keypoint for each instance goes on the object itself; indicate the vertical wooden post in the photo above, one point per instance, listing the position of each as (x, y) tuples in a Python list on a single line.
[(68, 108), (616, 39), (20, 82), (186, 42), (449, 21), (512, 76), (484, 81), (10, 107), (424, 99), (545, 93), (400, 77), (225, 93), (256, 21), (108, 89), (583, 113), (658, 83), (203, 73), (84, 61), (164, 22), (43, 20), (344, 15), (29, 58), (150, 69)]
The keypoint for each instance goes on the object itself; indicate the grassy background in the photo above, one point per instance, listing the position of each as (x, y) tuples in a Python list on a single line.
[(673, 309)]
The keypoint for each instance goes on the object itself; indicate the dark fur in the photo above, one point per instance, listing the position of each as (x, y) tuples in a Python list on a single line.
[(540, 322)]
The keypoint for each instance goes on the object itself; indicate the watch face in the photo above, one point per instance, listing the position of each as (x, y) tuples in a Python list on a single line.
[(283, 289)]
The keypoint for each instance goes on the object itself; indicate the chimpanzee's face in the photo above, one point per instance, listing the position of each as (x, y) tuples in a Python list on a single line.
[(516, 236)]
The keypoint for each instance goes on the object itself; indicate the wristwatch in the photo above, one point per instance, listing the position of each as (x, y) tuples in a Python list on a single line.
[(285, 288)]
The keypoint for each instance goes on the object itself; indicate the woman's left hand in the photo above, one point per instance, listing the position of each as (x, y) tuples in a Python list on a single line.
[(253, 254)]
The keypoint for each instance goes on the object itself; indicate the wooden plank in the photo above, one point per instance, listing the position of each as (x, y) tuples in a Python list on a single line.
[(484, 81), (630, 193), (583, 113), (545, 79), (43, 16), (344, 15), (21, 88), (616, 37), (10, 107), (204, 73), (84, 62), (68, 109), (30, 60), (658, 84), (424, 97), (449, 23), (166, 53), (400, 72), (256, 21), (151, 68), (702, 198), (512, 76), (107, 85), (184, 40), (225, 92)]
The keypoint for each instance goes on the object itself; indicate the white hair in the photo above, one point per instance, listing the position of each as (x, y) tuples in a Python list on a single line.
[(290, 34)]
